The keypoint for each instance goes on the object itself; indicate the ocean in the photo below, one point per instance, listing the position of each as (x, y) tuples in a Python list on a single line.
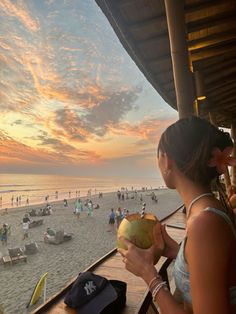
[(27, 189)]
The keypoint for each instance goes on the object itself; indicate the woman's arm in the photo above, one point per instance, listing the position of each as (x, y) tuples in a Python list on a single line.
[(140, 263), (208, 251)]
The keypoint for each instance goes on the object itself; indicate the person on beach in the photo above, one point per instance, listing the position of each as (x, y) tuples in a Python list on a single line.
[(78, 207), (126, 212), (65, 203), (191, 154), (118, 195), (118, 217), (122, 213), (90, 208), (25, 226), (111, 221), (4, 234)]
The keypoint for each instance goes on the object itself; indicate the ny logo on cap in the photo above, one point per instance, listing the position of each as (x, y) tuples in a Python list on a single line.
[(89, 287)]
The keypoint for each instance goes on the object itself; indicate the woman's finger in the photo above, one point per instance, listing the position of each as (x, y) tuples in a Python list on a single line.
[(125, 241), (122, 252), (163, 230), (157, 232)]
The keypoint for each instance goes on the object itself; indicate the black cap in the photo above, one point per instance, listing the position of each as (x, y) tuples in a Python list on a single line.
[(90, 294)]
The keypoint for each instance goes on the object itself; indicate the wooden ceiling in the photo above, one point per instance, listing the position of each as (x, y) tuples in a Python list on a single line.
[(141, 26)]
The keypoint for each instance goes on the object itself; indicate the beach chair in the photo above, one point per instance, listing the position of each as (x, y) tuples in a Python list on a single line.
[(36, 223), (59, 237), (31, 248), (17, 254), (6, 260), (33, 213), (67, 236)]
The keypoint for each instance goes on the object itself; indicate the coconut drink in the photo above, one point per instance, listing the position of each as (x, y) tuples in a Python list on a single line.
[(138, 229)]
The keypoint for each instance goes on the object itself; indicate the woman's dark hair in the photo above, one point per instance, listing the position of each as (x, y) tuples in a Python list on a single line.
[(190, 142)]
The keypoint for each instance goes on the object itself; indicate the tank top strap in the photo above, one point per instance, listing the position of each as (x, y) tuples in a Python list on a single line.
[(224, 216)]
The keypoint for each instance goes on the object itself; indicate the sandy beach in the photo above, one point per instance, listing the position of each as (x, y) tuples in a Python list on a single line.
[(91, 240)]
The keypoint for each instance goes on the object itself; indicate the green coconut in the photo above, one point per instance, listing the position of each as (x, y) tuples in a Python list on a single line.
[(138, 230)]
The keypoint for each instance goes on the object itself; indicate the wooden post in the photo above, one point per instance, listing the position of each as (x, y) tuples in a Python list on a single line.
[(233, 135), (183, 77)]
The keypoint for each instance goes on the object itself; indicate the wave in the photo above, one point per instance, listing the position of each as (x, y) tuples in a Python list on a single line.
[(6, 185), (18, 191)]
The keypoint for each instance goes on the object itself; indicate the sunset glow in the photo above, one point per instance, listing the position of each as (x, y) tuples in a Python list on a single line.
[(72, 100)]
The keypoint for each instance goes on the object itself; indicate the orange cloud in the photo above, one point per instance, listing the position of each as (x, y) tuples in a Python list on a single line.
[(149, 129), (21, 13), (12, 151)]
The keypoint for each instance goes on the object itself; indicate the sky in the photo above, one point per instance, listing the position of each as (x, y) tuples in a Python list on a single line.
[(72, 100)]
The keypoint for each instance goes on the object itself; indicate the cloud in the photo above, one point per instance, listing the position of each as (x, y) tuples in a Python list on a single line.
[(14, 152), (21, 13), (96, 121), (149, 129)]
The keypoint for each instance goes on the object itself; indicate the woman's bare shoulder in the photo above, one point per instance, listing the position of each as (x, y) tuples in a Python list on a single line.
[(208, 223)]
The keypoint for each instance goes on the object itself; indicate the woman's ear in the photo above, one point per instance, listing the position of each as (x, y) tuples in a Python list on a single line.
[(167, 164)]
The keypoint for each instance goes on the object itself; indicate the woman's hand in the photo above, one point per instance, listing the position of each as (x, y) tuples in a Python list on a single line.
[(138, 261), (170, 247)]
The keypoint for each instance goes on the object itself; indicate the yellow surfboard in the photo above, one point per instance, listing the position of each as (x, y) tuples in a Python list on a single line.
[(38, 290)]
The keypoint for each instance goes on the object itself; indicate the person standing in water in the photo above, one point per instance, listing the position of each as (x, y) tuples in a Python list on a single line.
[(192, 153)]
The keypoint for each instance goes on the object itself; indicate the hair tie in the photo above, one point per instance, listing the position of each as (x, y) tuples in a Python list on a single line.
[(222, 159)]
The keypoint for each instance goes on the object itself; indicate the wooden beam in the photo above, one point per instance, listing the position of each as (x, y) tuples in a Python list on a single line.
[(224, 105), (230, 80), (220, 66), (204, 5), (212, 40), (212, 52), (203, 64), (221, 90), (226, 95), (214, 78), (214, 20)]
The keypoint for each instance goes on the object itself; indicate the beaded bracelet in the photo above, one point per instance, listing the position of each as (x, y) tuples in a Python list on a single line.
[(158, 288), (154, 279)]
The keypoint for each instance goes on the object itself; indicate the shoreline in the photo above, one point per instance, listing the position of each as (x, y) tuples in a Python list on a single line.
[(60, 200), (91, 239)]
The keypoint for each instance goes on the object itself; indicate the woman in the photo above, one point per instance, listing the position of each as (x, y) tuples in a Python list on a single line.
[(191, 154)]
